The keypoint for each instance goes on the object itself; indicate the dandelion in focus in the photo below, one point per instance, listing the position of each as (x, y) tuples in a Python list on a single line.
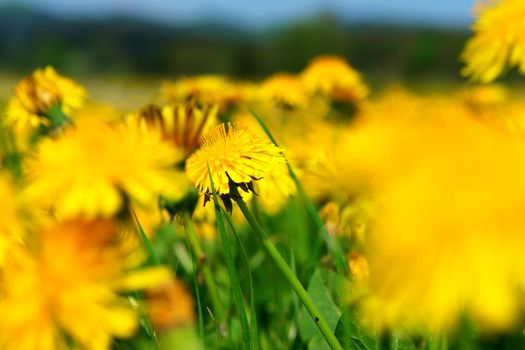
[(498, 41), (233, 155)]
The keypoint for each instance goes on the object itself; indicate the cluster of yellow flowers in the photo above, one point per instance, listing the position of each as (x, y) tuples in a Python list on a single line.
[(424, 192)]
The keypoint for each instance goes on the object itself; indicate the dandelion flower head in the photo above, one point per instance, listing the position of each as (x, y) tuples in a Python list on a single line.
[(91, 171), (39, 91), (333, 77), (447, 235), (67, 287), (498, 41), (232, 154)]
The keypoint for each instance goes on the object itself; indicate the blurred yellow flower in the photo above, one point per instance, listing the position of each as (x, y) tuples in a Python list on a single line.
[(67, 287), (284, 90), (358, 266), (181, 124), (231, 154), (447, 237), (485, 96), (94, 111), (334, 78), (91, 171), (205, 89), (498, 41), (11, 225), (39, 91), (169, 305)]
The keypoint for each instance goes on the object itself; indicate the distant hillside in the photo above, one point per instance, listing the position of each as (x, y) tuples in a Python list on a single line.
[(123, 45)]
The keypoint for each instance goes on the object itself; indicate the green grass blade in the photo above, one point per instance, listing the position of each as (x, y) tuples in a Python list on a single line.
[(332, 244), (197, 296), (230, 264), (204, 267), (254, 336), (153, 257)]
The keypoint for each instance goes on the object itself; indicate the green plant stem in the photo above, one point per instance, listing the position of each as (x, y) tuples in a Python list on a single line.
[(277, 258), (203, 265), (332, 244), (230, 264)]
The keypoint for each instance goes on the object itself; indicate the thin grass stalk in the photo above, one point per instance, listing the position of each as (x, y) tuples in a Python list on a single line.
[(230, 264), (253, 315), (202, 263), (198, 298), (145, 240), (332, 244)]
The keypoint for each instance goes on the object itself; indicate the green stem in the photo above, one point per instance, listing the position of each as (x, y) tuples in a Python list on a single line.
[(288, 274), (204, 267), (230, 264), (332, 244)]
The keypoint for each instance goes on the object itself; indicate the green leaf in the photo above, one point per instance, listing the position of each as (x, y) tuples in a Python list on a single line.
[(323, 301), (352, 336)]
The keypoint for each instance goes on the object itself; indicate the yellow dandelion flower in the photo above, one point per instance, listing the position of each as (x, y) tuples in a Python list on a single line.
[(206, 89), (37, 93), (348, 220), (485, 96), (333, 77), (169, 305), (180, 124), (91, 171), (498, 41), (11, 226), (233, 155), (68, 287), (285, 90), (100, 112), (447, 235), (358, 266)]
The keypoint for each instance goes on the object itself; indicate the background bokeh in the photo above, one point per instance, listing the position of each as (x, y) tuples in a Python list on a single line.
[(106, 44)]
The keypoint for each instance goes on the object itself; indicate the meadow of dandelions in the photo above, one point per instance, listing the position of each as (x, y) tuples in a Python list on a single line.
[(302, 211)]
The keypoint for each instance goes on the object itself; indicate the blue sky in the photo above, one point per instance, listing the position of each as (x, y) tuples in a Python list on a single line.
[(265, 13)]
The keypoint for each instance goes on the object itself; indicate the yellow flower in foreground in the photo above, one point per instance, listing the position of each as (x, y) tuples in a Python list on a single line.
[(69, 288), (92, 170), (448, 235), (11, 229), (499, 40), (39, 91), (333, 77), (232, 154), (285, 90), (180, 124)]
